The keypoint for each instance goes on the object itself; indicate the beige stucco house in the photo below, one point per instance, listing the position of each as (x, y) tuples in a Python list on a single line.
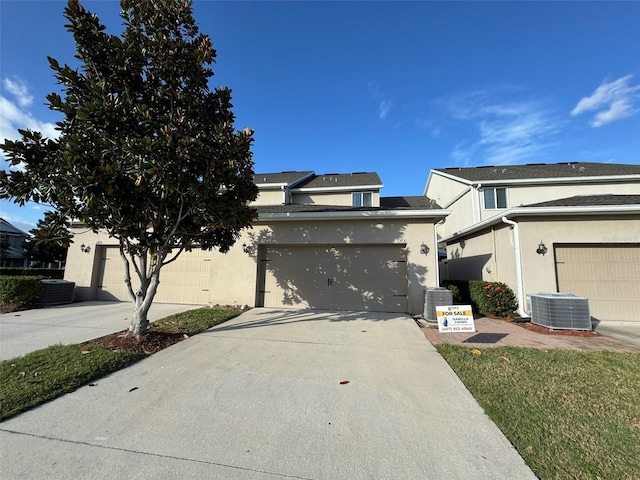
[(320, 241), (568, 227)]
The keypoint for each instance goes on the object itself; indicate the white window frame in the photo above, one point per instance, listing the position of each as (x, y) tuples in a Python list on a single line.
[(492, 195), (358, 199)]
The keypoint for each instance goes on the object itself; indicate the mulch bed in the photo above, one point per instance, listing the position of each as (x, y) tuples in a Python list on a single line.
[(153, 341), (547, 331)]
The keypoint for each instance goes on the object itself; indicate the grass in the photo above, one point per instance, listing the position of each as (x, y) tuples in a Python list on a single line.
[(570, 414), (46, 374), (193, 322)]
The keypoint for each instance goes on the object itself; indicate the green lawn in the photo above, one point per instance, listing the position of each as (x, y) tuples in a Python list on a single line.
[(570, 414), (45, 374)]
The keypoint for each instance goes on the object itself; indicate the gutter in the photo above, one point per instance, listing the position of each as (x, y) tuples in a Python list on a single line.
[(516, 249), (352, 215)]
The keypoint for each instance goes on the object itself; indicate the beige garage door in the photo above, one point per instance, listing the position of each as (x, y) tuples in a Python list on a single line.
[(608, 275), (371, 277), (187, 280)]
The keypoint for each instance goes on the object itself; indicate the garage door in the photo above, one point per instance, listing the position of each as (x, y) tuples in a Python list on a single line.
[(608, 275), (186, 280), (371, 277)]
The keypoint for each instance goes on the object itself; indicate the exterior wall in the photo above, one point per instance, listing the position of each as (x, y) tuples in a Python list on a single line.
[(539, 271), (235, 274), (518, 195), (342, 198), (269, 197), (469, 208), (490, 255)]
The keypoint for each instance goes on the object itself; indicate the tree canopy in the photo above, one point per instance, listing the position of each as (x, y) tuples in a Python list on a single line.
[(146, 150)]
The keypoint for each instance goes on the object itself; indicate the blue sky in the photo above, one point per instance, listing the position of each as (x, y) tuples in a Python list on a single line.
[(393, 87)]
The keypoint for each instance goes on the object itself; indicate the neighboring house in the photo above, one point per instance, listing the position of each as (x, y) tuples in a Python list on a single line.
[(320, 241), (12, 252), (569, 227)]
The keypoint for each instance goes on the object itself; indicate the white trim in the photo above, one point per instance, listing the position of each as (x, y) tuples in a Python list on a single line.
[(541, 211), (351, 188), (352, 215)]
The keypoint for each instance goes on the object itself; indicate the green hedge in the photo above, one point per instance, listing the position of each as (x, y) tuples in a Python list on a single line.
[(56, 273), (489, 298), (21, 291)]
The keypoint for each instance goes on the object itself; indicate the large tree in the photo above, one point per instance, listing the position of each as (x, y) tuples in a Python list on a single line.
[(50, 239), (146, 150)]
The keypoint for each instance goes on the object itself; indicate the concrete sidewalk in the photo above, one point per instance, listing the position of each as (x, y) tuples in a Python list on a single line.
[(30, 330), (270, 394)]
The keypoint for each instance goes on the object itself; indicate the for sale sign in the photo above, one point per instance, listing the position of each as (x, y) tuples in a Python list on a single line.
[(455, 318)]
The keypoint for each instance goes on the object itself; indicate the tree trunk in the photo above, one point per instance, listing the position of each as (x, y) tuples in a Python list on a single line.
[(142, 301)]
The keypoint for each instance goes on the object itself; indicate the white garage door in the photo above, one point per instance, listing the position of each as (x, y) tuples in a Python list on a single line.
[(608, 275), (186, 280), (371, 277)]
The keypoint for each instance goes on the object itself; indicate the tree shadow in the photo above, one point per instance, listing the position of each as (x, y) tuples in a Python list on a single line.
[(275, 317), (334, 266)]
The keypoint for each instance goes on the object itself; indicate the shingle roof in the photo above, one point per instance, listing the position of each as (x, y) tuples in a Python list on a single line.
[(386, 203), (590, 200), (6, 227), (280, 177), (414, 202), (541, 170), (330, 180)]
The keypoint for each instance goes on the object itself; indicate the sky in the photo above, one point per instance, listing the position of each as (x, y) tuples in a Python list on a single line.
[(398, 88)]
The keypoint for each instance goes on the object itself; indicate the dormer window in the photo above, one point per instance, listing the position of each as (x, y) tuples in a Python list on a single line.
[(362, 199), (495, 198)]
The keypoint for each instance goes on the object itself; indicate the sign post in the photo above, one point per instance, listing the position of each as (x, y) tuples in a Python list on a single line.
[(455, 318)]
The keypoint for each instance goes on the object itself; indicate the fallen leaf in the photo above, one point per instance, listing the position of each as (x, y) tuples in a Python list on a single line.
[(134, 388), (93, 384), (475, 351), (147, 352), (22, 374), (185, 336), (636, 425), (505, 359), (85, 352), (344, 382)]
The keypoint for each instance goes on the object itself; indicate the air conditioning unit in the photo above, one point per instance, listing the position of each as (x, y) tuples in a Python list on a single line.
[(434, 297), (561, 311), (56, 292)]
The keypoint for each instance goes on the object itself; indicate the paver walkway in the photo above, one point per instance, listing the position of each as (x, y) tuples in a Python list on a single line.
[(499, 333)]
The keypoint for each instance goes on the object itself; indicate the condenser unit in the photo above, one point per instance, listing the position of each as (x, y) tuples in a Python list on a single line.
[(562, 311), (56, 292), (434, 297)]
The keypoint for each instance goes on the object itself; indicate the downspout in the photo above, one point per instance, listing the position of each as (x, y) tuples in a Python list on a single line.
[(437, 249), (516, 241), (477, 204)]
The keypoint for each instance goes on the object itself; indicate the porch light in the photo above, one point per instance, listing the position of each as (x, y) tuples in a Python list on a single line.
[(424, 249), (542, 249)]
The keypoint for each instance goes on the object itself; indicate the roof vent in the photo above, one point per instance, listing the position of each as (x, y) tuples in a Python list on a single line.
[(264, 179)]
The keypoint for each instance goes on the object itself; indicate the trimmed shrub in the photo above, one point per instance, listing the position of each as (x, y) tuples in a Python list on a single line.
[(55, 273), (455, 292), (21, 291), (493, 298)]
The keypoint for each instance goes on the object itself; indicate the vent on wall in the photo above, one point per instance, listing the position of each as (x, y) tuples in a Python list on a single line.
[(433, 298), (562, 311)]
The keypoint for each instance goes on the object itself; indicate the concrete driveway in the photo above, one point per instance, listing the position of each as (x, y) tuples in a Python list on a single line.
[(270, 394), (29, 330)]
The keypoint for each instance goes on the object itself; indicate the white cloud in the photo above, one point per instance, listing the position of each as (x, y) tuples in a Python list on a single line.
[(20, 90), (385, 104), (15, 115), (505, 132), (613, 100)]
